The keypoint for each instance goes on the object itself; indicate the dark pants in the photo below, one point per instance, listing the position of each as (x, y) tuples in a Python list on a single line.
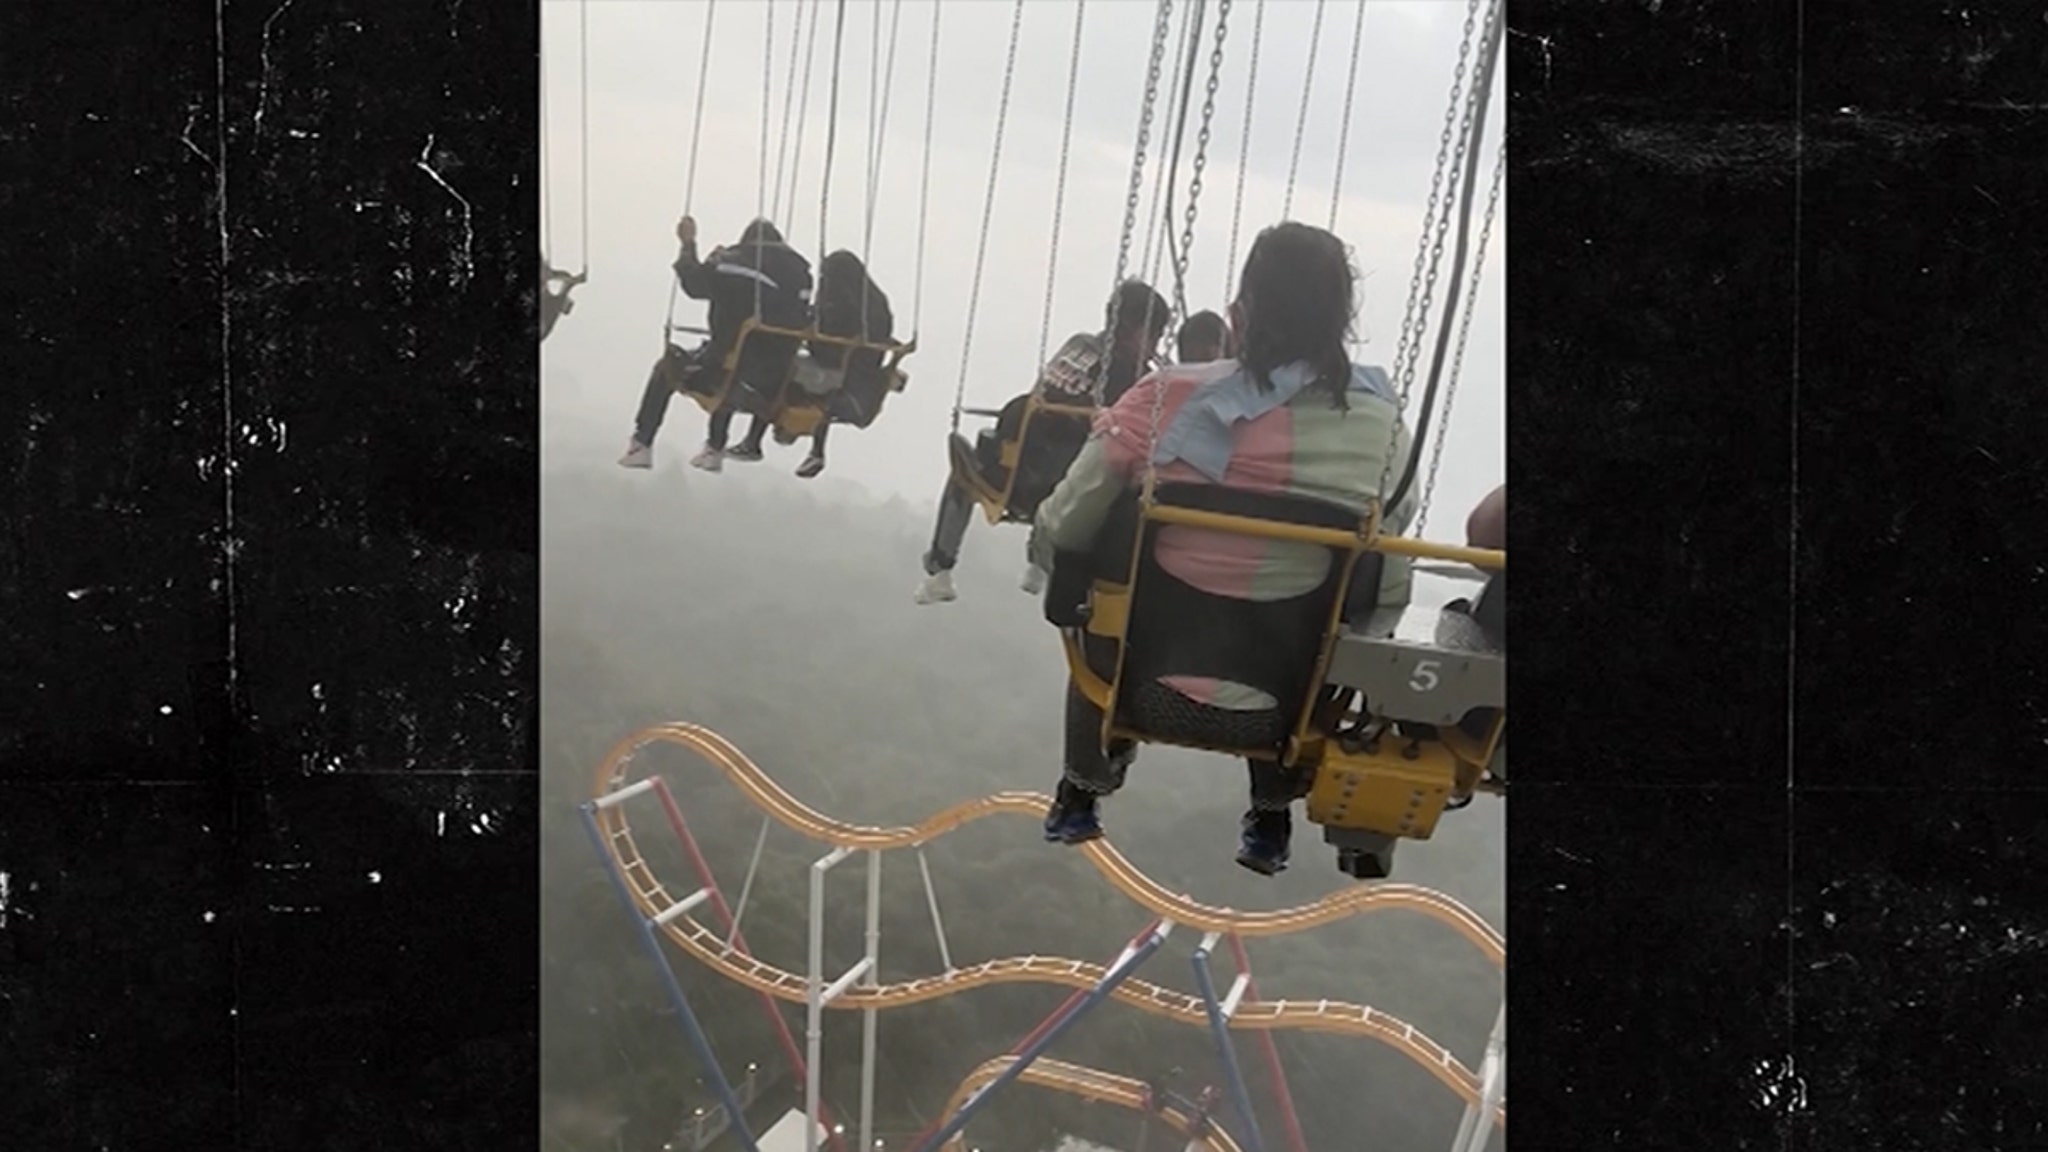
[(662, 382), (1087, 767), (956, 509)]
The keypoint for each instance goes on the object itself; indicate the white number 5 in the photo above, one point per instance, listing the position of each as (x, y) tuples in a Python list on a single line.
[(1424, 679)]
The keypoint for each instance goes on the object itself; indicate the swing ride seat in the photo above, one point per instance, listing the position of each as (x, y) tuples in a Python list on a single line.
[(989, 472), (1427, 735), (1163, 628), (771, 371)]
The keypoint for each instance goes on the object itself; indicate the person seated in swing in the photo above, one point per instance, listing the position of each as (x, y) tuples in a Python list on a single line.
[(554, 294), (1202, 338), (849, 304), (1487, 527), (1137, 317), (760, 277), (1291, 415)]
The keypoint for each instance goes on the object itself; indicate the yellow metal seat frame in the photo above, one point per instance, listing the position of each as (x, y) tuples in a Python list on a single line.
[(1396, 784), (993, 501), (794, 412)]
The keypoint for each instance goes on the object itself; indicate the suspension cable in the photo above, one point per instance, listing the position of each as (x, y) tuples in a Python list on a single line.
[(1180, 258), (1429, 249), (924, 184), (831, 123), (880, 129), (767, 99), (803, 117), (1475, 128), (1059, 195), (697, 118), (788, 103), (988, 208), (1344, 125), (1150, 256), (1162, 22), (583, 141), (1308, 79), (1187, 240), (1436, 455), (1244, 149)]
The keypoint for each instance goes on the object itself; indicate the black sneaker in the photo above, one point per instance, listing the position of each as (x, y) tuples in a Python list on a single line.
[(1072, 818), (1263, 841)]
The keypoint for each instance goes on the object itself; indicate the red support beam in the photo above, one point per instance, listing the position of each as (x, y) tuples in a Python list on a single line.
[(739, 944), (1278, 1074)]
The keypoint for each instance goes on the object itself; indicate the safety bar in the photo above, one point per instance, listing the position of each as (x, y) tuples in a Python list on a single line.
[(682, 906)]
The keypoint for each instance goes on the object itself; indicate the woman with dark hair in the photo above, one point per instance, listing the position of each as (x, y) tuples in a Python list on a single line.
[(1290, 415), (758, 277), (850, 305)]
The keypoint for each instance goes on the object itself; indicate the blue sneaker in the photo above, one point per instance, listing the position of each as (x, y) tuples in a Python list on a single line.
[(1263, 842), (1072, 817)]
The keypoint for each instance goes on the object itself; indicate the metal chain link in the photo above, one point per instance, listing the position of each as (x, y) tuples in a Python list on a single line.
[(1308, 80), (1244, 148), (1152, 253), (1436, 454), (1187, 236), (1161, 28), (1429, 256)]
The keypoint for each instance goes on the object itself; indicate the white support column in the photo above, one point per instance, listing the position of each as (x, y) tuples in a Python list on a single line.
[(931, 897), (1476, 1127), (814, 995), (870, 979)]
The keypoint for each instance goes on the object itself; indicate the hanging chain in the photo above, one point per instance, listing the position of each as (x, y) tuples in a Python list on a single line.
[(1436, 454), (1473, 98), (1187, 235), (1344, 125), (788, 105), (1251, 91), (1435, 222), (988, 209), (1161, 27), (1308, 78), (1150, 254), (1059, 195)]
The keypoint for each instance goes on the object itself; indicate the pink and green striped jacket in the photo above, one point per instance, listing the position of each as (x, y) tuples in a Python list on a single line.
[(1303, 447)]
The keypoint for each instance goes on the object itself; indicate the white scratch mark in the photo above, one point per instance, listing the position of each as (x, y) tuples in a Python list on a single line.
[(263, 95), (186, 136), (316, 693), (440, 823), (376, 877), (5, 880), (468, 235), (227, 391), (165, 709), (207, 917)]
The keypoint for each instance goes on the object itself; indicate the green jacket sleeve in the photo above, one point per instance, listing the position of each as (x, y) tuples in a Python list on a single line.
[(1072, 515)]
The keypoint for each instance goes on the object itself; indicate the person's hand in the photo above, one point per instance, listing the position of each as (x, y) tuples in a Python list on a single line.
[(686, 230)]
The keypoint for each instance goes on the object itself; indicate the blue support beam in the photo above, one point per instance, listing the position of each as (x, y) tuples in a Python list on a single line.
[(1240, 1097), (1117, 974), (698, 1041)]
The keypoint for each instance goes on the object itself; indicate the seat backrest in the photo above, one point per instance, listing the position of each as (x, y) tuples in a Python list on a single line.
[(1175, 629)]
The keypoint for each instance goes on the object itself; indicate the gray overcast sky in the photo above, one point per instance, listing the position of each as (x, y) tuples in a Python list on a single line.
[(643, 73)]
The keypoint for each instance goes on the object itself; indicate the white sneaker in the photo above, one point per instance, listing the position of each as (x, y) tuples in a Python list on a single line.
[(1034, 579), (637, 455), (710, 460), (936, 589)]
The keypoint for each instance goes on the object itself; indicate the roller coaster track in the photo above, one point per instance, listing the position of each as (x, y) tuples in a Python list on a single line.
[(1077, 1080), (1330, 1016)]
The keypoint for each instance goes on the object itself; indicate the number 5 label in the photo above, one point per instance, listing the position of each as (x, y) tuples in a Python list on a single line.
[(1425, 678)]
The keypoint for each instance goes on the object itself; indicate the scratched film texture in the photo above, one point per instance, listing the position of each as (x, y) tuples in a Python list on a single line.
[(267, 584), (1703, 957)]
